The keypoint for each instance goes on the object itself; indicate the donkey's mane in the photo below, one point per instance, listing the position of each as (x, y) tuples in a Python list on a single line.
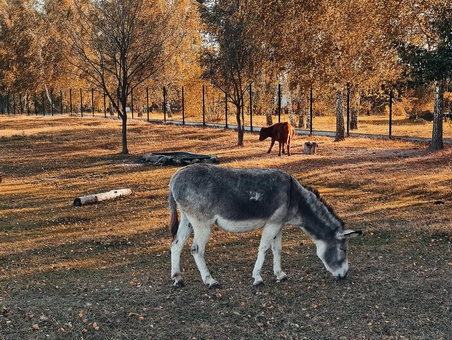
[(328, 207)]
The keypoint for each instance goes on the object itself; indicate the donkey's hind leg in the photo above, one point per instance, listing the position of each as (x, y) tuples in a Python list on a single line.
[(183, 233), (200, 239), (277, 249)]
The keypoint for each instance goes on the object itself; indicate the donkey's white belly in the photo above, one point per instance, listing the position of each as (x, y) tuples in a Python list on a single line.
[(240, 226)]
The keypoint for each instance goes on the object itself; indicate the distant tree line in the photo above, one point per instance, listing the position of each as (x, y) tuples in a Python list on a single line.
[(353, 49)]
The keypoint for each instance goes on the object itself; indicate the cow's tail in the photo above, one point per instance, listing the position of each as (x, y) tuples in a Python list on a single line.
[(174, 220)]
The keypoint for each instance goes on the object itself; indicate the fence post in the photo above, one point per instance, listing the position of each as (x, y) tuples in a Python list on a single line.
[(36, 105), (279, 103), (105, 107), (43, 104), (251, 109), (310, 110), (51, 102), (164, 104), (70, 102), (391, 94), (81, 103), (131, 101), (27, 101), (61, 101), (226, 108), (348, 109), (203, 106), (183, 106), (92, 100), (147, 102)]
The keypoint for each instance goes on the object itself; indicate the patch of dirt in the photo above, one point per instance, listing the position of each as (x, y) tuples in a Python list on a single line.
[(103, 271)]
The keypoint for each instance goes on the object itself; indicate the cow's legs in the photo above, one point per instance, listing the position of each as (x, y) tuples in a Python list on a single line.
[(201, 236), (277, 249), (183, 233), (281, 145), (271, 145), (268, 234)]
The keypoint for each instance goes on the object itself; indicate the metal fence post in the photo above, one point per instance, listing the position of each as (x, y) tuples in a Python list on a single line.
[(164, 104), (51, 102), (81, 103), (348, 109), (43, 104), (105, 106), (147, 102), (279, 103), (131, 101), (226, 108), (92, 100), (391, 94), (61, 101), (251, 109), (70, 101), (203, 106), (310, 110), (183, 106)]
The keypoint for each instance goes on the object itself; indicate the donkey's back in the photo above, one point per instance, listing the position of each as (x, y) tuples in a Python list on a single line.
[(226, 196)]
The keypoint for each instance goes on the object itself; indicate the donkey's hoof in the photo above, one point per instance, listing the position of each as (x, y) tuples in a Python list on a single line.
[(214, 285), (179, 284), (281, 278), (259, 283)]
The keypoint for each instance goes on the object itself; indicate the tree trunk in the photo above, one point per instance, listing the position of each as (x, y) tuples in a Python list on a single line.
[(437, 133), (340, 126)]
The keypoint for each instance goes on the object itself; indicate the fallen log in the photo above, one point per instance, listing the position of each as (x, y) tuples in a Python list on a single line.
[(90, 199)]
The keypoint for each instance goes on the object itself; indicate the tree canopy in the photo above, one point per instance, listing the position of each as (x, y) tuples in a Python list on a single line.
[(327, 46)]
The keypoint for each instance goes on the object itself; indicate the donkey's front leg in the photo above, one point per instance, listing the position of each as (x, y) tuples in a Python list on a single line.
[(201, 236), (183, 232), (277, 249), (269, 232)]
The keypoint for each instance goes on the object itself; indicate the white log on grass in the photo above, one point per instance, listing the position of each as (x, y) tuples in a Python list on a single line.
[(89, 199)]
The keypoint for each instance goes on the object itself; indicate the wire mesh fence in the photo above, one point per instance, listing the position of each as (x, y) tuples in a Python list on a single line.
[(206, 105)]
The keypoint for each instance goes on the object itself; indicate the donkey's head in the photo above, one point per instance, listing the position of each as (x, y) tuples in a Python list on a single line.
[(333, 252)]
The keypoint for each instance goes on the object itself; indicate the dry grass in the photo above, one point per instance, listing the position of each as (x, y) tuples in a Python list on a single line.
[(102, 271)]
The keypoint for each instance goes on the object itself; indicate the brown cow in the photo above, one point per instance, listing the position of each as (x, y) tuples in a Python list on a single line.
[(281, 132)]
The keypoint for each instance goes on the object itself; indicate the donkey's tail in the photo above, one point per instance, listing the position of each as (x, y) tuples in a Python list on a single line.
[(174, 221)]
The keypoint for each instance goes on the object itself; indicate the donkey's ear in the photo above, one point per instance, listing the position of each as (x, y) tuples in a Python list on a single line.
[(351, 233)]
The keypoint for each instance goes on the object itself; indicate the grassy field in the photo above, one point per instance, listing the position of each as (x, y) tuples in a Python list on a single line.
[(102, 271)]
